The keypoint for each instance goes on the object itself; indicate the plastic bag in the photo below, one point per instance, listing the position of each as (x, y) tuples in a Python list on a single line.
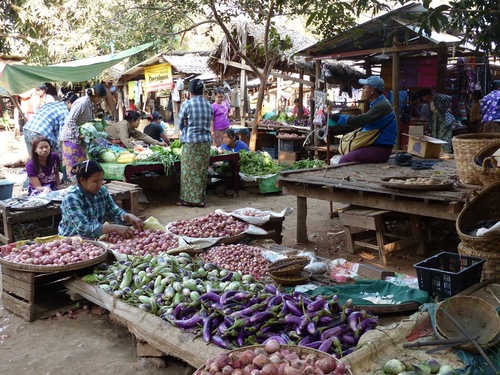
[(152, 223)]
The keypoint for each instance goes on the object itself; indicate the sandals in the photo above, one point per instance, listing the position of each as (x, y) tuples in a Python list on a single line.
[(189, 204)]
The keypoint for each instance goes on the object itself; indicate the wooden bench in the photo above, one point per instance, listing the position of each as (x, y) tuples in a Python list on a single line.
[(125, 194), (374, 225)]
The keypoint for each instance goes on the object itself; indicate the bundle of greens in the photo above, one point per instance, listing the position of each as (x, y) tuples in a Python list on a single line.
[(304, 164), (258, 164), (166, 155)]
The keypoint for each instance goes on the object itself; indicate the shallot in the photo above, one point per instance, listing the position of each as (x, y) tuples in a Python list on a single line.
[(238, 257), (213, 225), (142, 243), (68, 250)]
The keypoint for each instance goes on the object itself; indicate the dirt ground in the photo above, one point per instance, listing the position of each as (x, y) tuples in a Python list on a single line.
[(89, 342)]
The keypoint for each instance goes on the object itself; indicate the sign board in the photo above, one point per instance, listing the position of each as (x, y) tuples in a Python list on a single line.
[(319, 98), (158, 77)]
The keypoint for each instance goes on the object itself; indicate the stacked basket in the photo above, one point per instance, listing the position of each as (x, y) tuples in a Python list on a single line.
[(465, 147), (289, 271), (485, 165), (484, 207)]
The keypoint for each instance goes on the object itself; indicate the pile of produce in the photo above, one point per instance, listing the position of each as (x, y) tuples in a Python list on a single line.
[(270, 122), (273, 359), (238, 257), (304, 164), (258, 164), (61, 252), (142, 242), (166, 155), (230, 309), (431, 366), (213, 225), (291, 135)]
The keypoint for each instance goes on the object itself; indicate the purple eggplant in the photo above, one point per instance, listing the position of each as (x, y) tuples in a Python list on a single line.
[(307, 340), (261, 316), (294, 309), (311, 327), (317, 304), (354, 318), (229, 321), (226, 295), (335, 331), (324, 320), (367, 324), (227, 277), (326, 345), (293, 319), (207, 333), (275, 301), (240, 339), (278, 338), (270, 289), (220, 342), (314, 344), (222, 328), (188, 323), (210, 296), (349, 339)]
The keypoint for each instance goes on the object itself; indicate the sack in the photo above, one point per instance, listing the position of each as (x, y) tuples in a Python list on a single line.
[(357, 139)]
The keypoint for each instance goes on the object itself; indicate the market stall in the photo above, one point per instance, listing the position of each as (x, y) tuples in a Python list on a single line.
[(361, 185)]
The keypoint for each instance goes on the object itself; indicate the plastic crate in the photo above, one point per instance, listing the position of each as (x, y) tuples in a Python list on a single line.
[(447, 274), (273, 151), (268, 185), (291, 145)]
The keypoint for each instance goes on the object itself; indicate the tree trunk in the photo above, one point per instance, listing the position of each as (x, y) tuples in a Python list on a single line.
[(258, 113)]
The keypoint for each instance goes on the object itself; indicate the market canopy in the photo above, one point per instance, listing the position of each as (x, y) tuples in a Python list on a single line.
[(16, 79)]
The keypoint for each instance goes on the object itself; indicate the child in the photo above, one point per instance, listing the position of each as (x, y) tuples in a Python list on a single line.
[(231, 142), (43, 168), (88, 205)]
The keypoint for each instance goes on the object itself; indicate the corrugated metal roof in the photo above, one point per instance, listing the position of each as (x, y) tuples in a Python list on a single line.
[(189, 63), (377, 33)]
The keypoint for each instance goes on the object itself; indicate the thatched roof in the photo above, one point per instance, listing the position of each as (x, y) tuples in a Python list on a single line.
[(288, 62)]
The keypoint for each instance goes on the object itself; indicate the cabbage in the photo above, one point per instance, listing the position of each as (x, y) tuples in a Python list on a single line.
[(393, 367), (107, 156)]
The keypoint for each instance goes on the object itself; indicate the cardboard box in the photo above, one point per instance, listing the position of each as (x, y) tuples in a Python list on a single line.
[(424, 146)]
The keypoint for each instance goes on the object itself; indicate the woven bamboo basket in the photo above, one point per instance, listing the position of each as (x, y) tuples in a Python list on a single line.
[(486, 165), (485, 206), (465, 146), (476, 316), (491, 268)]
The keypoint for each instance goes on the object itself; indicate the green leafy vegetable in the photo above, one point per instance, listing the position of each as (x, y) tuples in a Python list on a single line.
[(303, 164), (258, 164)]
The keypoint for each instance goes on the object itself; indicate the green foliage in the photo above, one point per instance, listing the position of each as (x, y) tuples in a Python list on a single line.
[(258, 164)]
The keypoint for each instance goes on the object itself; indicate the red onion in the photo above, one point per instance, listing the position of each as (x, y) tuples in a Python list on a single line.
[(212, 225), (142, 243)]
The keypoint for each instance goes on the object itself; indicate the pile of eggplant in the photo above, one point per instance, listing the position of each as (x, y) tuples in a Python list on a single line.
[(230, 309)]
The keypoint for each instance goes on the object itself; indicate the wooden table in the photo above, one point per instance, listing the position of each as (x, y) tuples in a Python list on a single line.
[(122, 192), (359, 184), (232, 159)]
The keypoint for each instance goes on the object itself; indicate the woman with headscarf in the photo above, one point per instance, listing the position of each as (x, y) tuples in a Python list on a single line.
[(74, 151), (442, 120), (195, 118)]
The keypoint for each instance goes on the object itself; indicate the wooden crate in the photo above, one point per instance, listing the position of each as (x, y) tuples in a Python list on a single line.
[(32, 295), (290, 157)]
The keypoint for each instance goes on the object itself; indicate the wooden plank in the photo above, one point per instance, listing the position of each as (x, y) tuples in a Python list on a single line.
[(374, 272), (148, 327), (17, 306), (301, 220), (19, 288)]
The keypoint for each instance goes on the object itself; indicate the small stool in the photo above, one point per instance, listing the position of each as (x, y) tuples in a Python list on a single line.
[(372, 220), (127, 193)]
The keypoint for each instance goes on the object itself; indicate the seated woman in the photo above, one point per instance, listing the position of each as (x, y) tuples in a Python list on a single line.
[(87, 207), (43, 168), (121, 132), (232, 143), (155, 130)]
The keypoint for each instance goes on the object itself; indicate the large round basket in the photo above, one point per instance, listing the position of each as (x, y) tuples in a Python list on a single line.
[(300, 350), (485, 164), (491, 268), (56, 268), (465, 146), (485, 206), (477, 317)]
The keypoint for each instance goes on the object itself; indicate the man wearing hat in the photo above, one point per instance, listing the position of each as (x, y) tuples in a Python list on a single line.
[(380, 116), (155, 130)]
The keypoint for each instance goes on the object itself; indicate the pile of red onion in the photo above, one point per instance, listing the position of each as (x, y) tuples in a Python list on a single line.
[(211, 226), (142, 243), (55, 253), (250, 212), (238, 257)]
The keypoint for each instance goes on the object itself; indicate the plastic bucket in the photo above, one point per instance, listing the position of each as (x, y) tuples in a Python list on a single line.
[(6, 188)]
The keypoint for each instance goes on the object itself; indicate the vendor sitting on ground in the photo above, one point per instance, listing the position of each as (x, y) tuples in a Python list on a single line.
[(232, 143), (155, 130), (87, 207), (43, 168), (379, 116), (121, 132)]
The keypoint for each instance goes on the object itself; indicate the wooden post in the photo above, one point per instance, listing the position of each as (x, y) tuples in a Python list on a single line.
[(301, 235), (243, 84), (395, 90)]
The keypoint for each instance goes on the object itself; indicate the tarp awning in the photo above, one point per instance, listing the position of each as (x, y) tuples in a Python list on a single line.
[(16, 79)]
